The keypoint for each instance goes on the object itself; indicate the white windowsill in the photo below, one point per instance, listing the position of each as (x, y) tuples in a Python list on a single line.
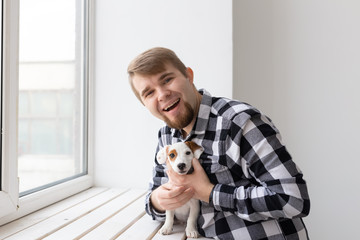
[(46, 197), (97, 213)]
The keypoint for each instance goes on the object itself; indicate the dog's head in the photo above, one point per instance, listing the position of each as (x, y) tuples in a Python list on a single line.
[(180, 155)]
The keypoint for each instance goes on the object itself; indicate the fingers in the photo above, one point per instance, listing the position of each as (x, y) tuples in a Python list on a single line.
[(179, 200), (188, 179), (169, 197), (171, 190), (176, 179)]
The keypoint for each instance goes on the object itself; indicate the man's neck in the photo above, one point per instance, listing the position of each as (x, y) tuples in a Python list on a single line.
[(186, 130)]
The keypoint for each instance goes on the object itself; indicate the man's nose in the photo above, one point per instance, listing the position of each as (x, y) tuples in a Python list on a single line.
[(163, 94)]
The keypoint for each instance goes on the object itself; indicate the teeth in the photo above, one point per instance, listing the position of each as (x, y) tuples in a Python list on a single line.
[(168, 107)]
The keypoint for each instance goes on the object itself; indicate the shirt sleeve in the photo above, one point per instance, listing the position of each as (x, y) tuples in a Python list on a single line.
[(277, 188), (151, 211), (159, 177)]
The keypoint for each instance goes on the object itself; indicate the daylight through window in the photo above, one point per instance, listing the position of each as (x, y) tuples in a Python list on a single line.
[(52, 92)]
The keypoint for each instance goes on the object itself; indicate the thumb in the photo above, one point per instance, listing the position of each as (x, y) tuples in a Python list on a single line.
[(196, 164), (168, 166)]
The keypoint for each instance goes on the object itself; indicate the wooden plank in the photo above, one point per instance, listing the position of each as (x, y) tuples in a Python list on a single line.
[(97, 213), (118, 223), (41, 215), (144, 228), (98, 216), (178, 233), (66, 217), (199, 238)]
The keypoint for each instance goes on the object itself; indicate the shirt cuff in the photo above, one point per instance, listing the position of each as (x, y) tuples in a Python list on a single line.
[(223, 197), (159, 216)]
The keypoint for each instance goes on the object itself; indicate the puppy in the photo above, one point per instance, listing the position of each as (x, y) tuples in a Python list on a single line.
[(180, 156)]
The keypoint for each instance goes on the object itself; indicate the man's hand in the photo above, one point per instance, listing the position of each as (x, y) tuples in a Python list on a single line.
[(198, 181), (169, 197)]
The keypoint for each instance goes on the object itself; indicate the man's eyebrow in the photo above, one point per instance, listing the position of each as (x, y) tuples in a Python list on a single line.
[(144, 91), (164, 75)]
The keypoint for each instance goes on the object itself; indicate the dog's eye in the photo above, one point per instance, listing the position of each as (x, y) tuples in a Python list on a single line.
[(188, 153), (171, 155)]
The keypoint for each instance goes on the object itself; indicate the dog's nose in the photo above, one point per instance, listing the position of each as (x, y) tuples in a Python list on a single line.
[(181, 166)]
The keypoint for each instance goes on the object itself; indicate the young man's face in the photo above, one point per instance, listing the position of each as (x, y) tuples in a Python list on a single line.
[(169, 96)]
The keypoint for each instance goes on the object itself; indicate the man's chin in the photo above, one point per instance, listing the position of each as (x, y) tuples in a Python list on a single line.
[(182, 121)]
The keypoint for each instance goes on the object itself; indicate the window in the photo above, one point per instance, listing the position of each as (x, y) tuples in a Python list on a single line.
[(52, 93), (1, 22), (46, 102), (9, 185)]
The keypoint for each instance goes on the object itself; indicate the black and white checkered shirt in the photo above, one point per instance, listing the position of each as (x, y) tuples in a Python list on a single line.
[(259, 192)]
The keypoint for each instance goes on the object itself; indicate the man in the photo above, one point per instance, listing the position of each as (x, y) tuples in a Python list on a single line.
[(248, 185)]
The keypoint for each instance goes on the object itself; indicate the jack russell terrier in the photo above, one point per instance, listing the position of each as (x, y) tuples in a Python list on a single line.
[(180, 156)]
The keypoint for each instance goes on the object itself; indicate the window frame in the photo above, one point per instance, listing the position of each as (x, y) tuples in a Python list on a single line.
[(34, 201), (9, 194)]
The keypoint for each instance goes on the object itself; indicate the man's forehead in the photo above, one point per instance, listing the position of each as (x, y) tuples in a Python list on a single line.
[(142, 81), (168, 69)]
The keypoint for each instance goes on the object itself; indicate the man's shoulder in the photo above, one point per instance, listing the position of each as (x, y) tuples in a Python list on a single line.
[(230, 108)]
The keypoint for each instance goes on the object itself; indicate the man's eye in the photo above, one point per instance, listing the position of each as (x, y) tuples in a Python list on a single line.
[(171, 155), (168, 80), (149, 93), (188, 153)]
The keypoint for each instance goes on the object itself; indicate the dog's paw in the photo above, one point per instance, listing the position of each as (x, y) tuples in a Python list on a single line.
[(192, 233), (165, 230)]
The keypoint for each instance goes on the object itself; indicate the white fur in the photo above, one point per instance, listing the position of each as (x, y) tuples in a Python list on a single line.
[(190, 211)]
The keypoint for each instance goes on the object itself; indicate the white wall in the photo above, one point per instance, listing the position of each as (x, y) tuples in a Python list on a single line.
[(200, 32), (299, 62)]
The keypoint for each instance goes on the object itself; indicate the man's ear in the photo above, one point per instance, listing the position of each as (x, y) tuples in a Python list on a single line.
[(190, 74), (161, 155)]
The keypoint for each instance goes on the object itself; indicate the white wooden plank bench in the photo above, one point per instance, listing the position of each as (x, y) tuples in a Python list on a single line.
[(95, 214)]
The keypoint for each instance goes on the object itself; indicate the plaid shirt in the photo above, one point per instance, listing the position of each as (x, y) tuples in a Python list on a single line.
[(259, 192)]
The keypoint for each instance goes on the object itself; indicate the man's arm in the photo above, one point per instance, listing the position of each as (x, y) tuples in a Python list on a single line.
[(279, 190)]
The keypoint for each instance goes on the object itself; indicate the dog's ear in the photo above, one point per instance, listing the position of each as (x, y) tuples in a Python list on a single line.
[(196, 149), (161, 155), (198, 152)]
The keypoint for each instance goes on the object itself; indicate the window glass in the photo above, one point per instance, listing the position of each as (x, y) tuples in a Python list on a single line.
[(43, 104), (52, 117)]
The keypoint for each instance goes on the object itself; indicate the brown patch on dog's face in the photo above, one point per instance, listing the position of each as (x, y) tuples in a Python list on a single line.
[(172, 155)]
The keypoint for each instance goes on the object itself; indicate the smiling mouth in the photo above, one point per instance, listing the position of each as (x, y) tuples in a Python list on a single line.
[(172, 105)]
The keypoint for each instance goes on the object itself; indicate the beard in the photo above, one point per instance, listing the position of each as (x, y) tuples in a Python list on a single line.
[(183, 120)]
